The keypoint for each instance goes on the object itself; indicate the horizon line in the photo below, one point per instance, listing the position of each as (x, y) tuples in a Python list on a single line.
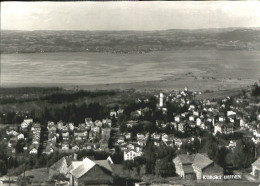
[(140, 30)]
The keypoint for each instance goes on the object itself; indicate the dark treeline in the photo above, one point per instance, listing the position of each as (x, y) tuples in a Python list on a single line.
[(72, 113), (16, 100), (69, 97), (11, 118), (29, 90), (57, 97)]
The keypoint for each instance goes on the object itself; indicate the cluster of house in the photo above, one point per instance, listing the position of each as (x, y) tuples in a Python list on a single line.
[(63, 137), (134, 148), (68, 137), (25, 131), (36, 134), (131, 149), (219, 117), (205, 114), (209, 115)]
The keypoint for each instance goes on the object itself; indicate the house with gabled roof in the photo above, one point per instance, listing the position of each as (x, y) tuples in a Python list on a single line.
[(203, 166), (60, 167), (183, 166), (91, 172), (196, 166)]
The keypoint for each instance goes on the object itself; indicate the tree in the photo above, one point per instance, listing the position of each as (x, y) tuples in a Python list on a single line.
[(41, 161), (221, 156), (20, 145), (256, 90), (129, 165), (123, 127), (3, 167), (150, 156), (84, 153), (139, 160), (164, 168), (3, 158), (113, 121), (243, 155), (118, 156)]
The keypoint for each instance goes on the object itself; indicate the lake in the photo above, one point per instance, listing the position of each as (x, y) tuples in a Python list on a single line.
[(61, 69)]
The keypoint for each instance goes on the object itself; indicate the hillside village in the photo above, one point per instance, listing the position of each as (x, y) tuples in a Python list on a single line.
[(172, 134)]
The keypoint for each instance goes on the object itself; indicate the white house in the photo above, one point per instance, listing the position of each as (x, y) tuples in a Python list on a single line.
[(165, 137), (35, 142), (198, 121), (12, 132), (191, 118), (71, 126), (128, 136), (24, 125), (258, 117), (33, 151), (156, 136), (29, 120), (241, 123), (221, 119), (130, 146), (130, 155), (231, 113), (231, 120), (256, 133), (140, 136), (192, 107), (20, 136), (218, 128), (195, 113), (177, 119), (113, 113)]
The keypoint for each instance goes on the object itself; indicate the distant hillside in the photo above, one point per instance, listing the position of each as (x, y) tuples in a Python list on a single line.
[(129, 41)]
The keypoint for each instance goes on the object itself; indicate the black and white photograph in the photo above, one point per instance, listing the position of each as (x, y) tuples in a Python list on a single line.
[(130, 93)]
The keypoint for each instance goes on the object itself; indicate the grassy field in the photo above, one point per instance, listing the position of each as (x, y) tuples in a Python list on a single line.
[(38, 175)]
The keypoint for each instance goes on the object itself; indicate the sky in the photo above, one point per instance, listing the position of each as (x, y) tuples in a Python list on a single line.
[(125, 15)]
